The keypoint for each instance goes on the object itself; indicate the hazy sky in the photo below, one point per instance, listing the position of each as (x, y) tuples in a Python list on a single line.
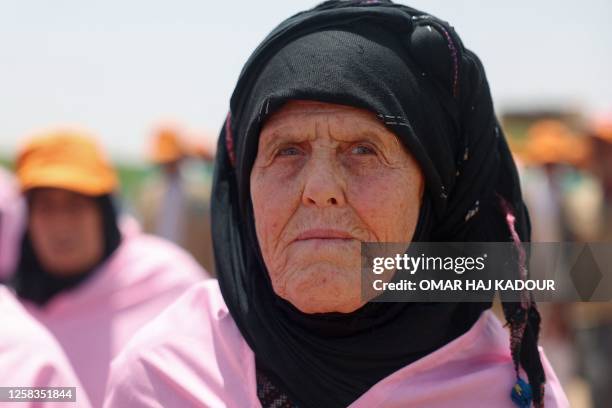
[(117, 66)]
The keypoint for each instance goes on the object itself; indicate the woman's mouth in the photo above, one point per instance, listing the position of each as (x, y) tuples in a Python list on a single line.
[(324, 234)]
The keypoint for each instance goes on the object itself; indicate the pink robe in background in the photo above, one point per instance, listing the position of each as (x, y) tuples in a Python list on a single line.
[(95, 320), (193, 355), (31, 357), (12, 221)]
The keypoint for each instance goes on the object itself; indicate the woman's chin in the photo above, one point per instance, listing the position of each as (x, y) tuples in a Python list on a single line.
[(327, 297)]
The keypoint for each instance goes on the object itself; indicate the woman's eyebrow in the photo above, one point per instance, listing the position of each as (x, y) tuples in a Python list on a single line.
[(284, 133), (292, 134), (355, 133), (273, 138)]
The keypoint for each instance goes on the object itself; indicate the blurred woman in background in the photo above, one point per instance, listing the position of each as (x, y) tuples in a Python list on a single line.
[(12, 211), (90, 283), (175, 202), (29, 355)]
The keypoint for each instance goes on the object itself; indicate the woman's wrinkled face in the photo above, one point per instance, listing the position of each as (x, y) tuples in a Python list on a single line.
[(66, 230), (326, 178)]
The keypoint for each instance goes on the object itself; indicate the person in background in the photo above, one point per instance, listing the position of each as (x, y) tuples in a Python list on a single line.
[(592, 321), (175, 202), (12, 211), (90, 283), (553, 155), (562, 202), (600, 137), (29, 355)]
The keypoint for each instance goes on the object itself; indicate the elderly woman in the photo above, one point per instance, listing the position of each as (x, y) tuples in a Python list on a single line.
[(351, 122)]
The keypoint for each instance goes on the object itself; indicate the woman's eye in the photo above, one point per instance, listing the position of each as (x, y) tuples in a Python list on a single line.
[(288, 151), (362, 149)]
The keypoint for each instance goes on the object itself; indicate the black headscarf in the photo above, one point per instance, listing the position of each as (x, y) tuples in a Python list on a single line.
[(33, 282), (412, 70)]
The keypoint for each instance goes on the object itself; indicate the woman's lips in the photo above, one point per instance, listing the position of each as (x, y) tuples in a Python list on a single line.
[(327, 234)]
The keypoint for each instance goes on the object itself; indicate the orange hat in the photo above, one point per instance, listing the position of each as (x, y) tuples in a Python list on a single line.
[(551, 141), (65, 158), (168, 145), (202, 146)]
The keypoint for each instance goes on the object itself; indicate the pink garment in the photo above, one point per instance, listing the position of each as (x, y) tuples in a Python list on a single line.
[(193, 355), (95, 320), (129, 226), (12, 221), (30, 356)]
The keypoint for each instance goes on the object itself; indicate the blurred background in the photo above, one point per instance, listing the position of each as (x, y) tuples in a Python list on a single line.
[(152, 79)]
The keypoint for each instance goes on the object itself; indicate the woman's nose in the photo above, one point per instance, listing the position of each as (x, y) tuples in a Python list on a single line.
[(324, 185)]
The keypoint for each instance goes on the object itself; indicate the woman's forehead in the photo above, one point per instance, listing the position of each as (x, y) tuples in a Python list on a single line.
[(300, 106), (52, 194), (295, 114)]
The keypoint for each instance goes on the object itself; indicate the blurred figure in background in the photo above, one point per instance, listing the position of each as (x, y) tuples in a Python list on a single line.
[(175, 202), (89, 282), (29, 355), (559, 195), (593, 320), (12, 211), (552, 156), (600, 133)]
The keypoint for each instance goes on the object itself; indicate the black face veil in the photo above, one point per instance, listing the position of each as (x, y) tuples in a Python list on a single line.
[(412, 70)]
